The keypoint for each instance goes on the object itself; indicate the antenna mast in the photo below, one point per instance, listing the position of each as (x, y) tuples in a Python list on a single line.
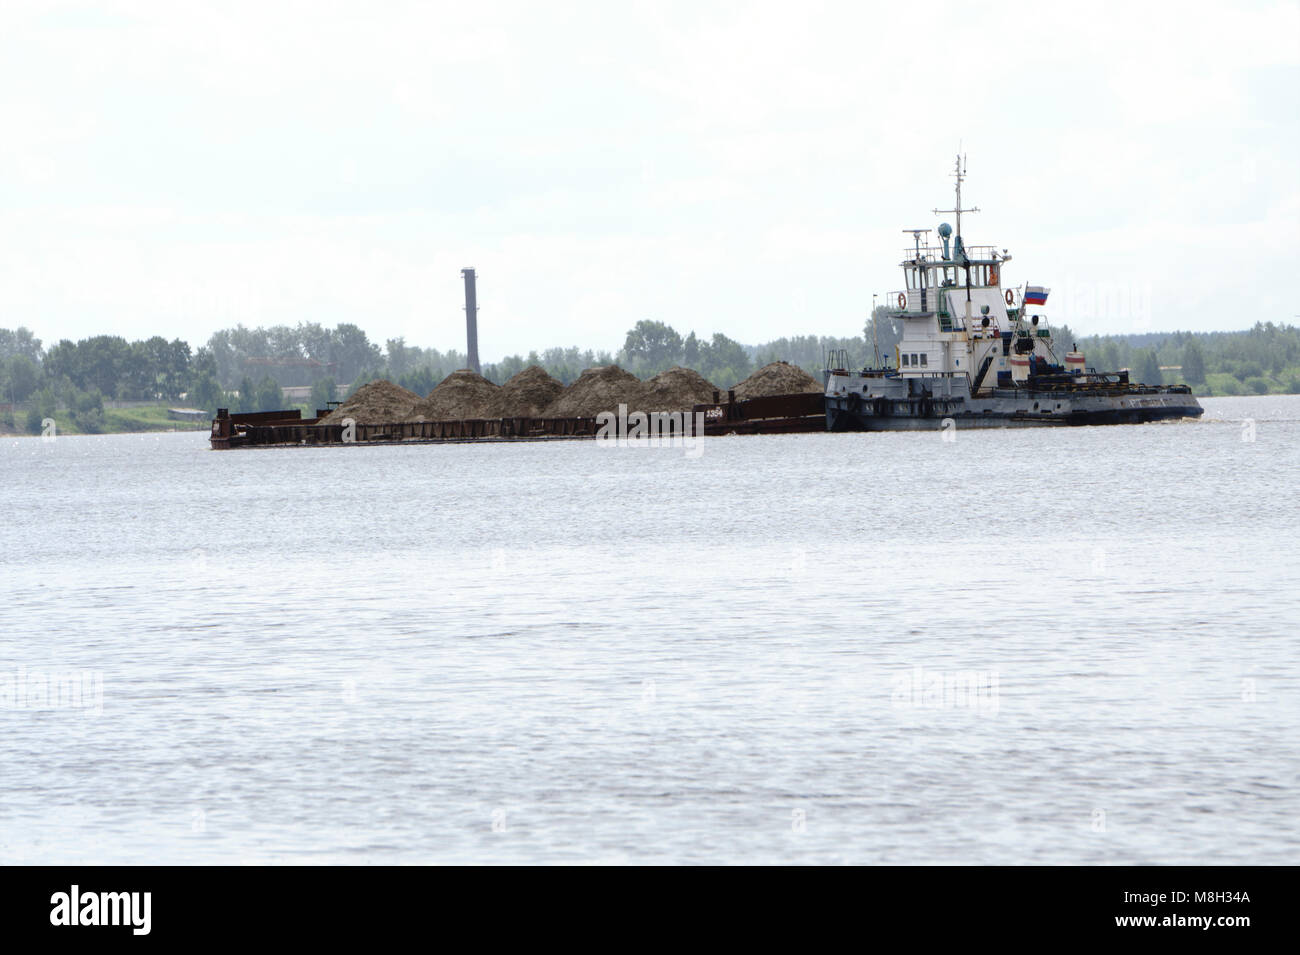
[(959, 174), (875, 338)]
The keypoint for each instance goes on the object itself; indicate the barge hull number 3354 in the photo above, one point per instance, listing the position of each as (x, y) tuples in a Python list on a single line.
[(982, 355)]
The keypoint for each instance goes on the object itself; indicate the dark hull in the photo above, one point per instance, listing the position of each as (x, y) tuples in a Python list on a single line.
[(852, 414)]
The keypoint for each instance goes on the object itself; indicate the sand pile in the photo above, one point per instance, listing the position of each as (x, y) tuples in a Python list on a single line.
[(462, 394), (596, 390), (677, 389), (379, 402), (526, 395), (778, 378)]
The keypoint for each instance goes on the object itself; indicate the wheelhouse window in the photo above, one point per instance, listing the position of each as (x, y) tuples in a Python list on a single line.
[(905, 362), (924, 359)]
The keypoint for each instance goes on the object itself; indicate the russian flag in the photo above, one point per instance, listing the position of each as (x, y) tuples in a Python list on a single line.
[(1036, 295)]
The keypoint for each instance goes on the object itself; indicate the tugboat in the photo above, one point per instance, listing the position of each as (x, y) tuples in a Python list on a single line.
[(974, 354)]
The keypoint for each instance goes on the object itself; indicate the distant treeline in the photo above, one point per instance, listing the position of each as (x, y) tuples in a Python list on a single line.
[(1263, 360), (247, 368)]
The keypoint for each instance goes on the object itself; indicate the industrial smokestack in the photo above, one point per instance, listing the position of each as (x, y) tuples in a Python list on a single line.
[(471, 319)]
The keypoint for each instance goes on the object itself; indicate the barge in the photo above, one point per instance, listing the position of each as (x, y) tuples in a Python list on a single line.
[(289, 428), (973, 354), (772, 414)]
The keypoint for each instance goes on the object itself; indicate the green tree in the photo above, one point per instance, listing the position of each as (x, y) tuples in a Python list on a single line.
[(352, 352), (323, 391), (651, 347), (724, 361), (87, 408), (1193, 363), (206, 394), (204, 364), (46, 401), (20, 342), (399, 356), (315, 341), (691, 351), (364, 378), (44, 404), (102, 363), (1148, 367), (247, 395), (506, 368), (174, 368), (1106, 357), (421, 381), (269, 395), (137, 375), (24, 376)]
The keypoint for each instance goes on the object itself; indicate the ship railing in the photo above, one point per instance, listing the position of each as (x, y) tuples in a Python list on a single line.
[(911, 299), (933, 255)]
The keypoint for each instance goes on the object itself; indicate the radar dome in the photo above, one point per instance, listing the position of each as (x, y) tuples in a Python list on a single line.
[(945, 230)]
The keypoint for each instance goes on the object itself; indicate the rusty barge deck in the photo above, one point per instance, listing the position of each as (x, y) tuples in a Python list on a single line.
[(774, 414)]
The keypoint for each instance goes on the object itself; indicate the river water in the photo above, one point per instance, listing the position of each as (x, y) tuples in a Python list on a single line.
[(1024, 646)]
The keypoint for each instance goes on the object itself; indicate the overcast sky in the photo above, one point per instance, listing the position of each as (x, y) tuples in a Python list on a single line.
[(168, 168)]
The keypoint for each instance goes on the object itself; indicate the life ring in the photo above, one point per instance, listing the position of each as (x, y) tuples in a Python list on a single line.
[(902, 300), (1011, 297)]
